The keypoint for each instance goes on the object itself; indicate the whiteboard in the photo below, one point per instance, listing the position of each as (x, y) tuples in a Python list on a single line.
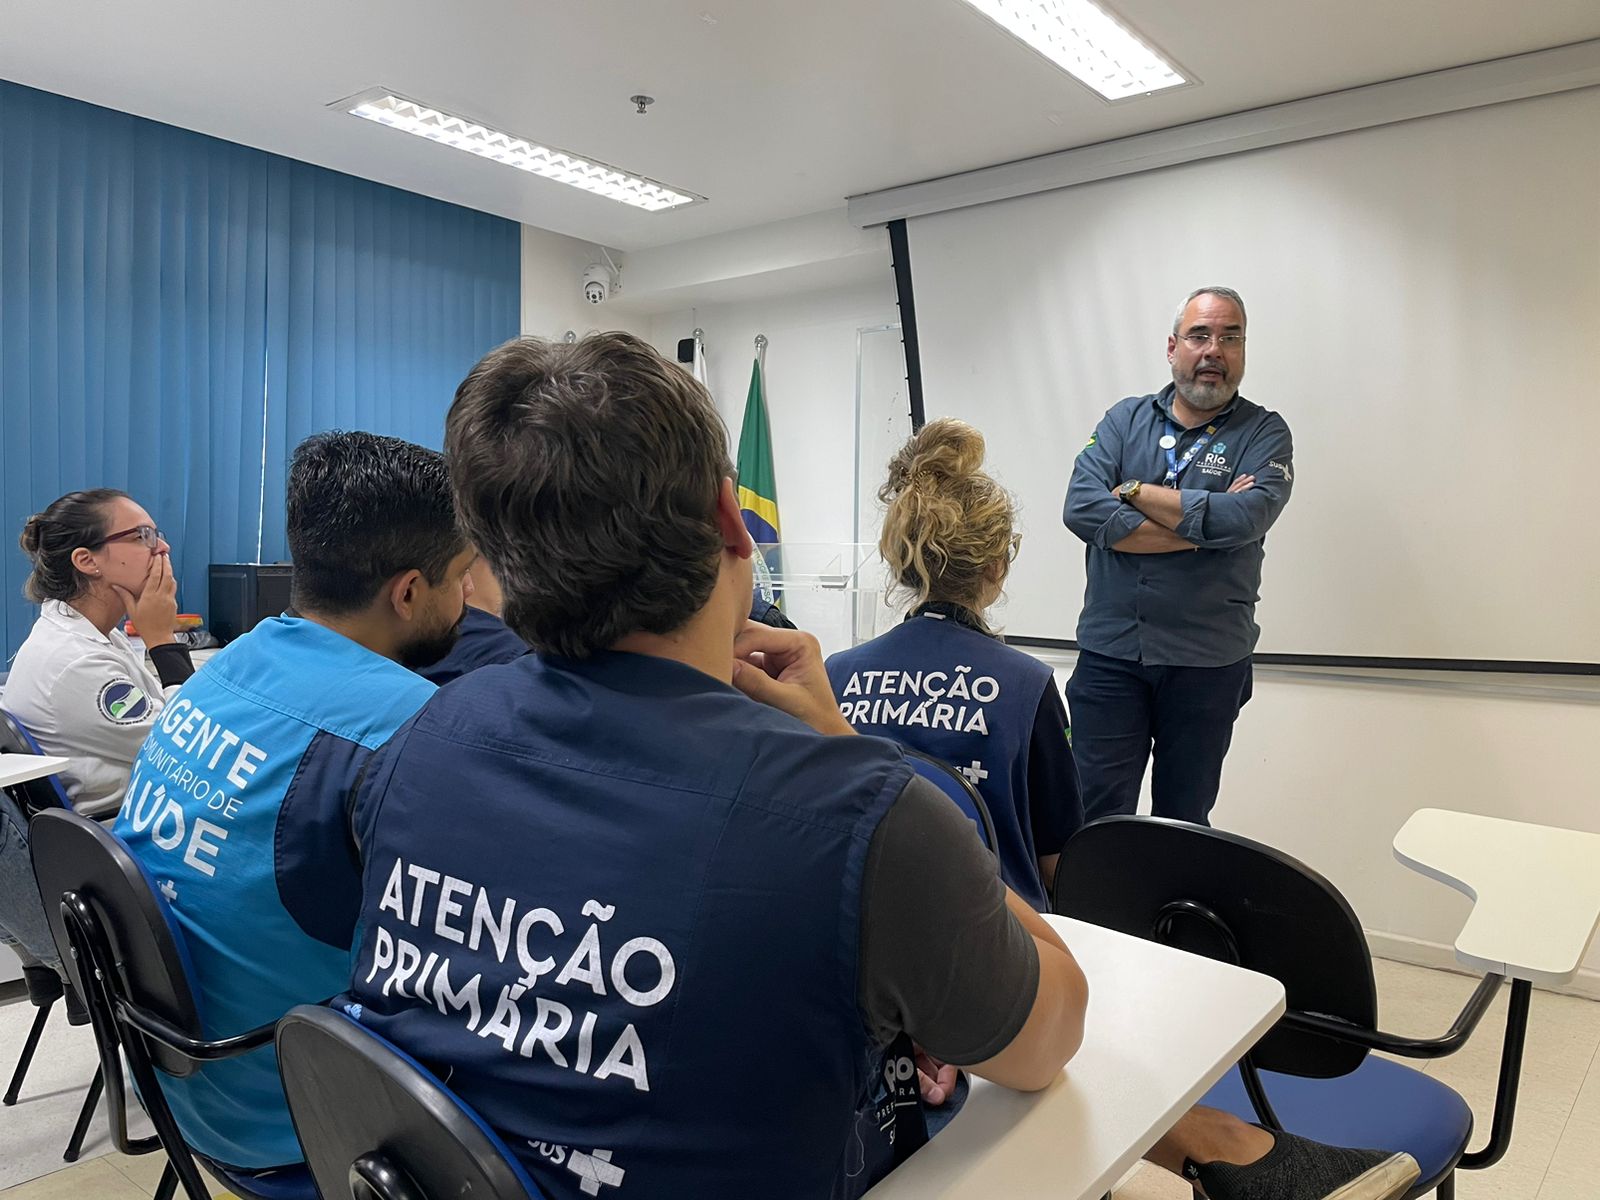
[(1424, 311)]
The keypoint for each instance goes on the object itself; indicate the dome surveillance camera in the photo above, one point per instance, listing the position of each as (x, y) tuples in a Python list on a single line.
[(598, 283)]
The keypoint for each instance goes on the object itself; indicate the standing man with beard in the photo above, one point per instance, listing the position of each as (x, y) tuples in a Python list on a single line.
[(1173, 496), (239, 801)]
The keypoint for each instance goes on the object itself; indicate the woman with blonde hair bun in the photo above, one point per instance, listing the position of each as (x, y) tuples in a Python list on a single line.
[(943, 682)]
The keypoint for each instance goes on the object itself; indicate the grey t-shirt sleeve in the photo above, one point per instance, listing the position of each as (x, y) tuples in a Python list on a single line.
[(942, 957)]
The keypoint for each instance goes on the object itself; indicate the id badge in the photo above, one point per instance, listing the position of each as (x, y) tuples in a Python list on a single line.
[(890, 1127)]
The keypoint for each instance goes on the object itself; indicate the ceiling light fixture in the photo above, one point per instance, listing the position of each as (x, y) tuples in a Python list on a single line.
[(409, 116), (1086, 42)]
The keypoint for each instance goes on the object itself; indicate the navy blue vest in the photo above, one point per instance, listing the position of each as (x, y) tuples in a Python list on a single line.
[(962, 696), (484, 640), (616, 904)]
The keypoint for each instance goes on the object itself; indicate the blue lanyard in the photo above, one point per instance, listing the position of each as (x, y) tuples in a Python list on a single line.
[(1176, 466)]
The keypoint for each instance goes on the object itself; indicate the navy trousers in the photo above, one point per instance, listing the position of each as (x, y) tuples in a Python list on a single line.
[(1123, 710)]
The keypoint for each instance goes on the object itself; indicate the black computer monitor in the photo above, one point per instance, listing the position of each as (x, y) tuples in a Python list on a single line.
[(244, 594)]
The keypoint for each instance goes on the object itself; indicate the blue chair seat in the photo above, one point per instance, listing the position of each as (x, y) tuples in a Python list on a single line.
[(958, 787), (1381, 1105), (40, 793)]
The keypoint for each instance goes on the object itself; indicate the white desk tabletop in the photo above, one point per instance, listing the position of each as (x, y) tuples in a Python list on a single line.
[(19, 768), (1537, 889), (1163, 1027)]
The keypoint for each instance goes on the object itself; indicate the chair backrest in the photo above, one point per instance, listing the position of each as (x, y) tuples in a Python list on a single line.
[(377, 1125), (72, 854), (35, 795), (1229, 898), (958, 787)]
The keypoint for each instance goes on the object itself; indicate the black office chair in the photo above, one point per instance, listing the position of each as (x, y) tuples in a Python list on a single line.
[(377, 1125), (44, 990), (35, 795), (126, 955), (1229, 898), (958, 787), (44, 986)]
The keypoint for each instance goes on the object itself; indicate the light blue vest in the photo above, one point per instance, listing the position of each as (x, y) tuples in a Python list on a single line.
[(237, 807)]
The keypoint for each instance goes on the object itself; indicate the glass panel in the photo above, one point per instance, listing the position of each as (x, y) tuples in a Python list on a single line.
[(832, 590), (883, 423)]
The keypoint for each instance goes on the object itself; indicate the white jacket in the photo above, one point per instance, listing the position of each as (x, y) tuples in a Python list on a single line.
[(85, 695)]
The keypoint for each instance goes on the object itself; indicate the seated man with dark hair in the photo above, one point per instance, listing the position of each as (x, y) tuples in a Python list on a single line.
[(484, 639), (237, 802), (664, 939)]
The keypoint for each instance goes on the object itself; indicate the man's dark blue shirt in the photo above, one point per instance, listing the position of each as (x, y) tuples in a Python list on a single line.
[(1186, 608)]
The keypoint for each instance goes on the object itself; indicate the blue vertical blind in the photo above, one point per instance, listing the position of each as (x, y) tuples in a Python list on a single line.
[(177, 312), (374, 295)]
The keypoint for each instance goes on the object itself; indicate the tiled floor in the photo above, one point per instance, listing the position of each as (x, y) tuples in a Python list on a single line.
[(111, 1177), (1554, 1155)]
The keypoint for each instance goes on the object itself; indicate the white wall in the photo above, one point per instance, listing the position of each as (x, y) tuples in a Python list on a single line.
[(811, 253), (807, 283), (1329, 771), (810, 382), (552, 288), (1327, 767)]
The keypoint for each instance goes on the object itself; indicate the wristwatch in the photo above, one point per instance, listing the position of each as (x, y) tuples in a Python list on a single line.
[(1129, 490)]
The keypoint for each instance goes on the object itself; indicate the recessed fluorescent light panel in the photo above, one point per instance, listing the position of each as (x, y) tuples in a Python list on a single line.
[(1086, 42), (409, 116)]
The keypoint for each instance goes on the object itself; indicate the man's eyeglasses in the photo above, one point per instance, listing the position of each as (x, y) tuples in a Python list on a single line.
[(147, 534), (1226, 341)]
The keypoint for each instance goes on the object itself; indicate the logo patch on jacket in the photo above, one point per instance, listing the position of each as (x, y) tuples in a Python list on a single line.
[(123, 702)]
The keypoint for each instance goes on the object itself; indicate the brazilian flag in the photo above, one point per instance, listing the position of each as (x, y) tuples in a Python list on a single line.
[(758, 491)]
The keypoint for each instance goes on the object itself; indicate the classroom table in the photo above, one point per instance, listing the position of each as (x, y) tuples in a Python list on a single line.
[(1163, 1025), (1536, 889), (20, 768)]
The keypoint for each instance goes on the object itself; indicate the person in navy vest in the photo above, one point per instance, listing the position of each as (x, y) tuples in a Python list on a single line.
[(942, 682), (641, 896), (1173, 496), (237, 804), (484, 638)]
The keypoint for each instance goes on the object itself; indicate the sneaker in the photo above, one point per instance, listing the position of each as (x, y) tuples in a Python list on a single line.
[(1297, 1168)]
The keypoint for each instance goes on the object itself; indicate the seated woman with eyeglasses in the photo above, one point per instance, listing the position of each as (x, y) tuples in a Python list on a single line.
[(77, 684), (943, 682)]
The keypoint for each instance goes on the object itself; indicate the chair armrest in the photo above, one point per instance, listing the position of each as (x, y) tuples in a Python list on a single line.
[(240, 1043), (1536, 889), (1358, 1035), (201, 1051)]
